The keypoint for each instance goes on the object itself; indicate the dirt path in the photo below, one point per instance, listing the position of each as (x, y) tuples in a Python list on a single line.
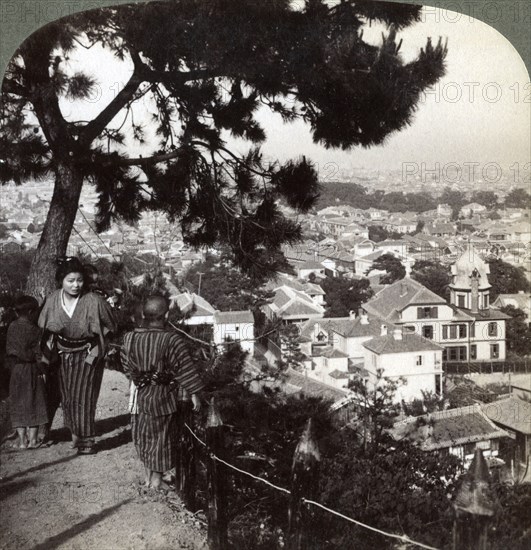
[(51, 498)]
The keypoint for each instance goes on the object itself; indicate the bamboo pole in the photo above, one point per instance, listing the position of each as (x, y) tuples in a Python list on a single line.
[(216, 484), (474, 507), (304, 484), (185, 468)]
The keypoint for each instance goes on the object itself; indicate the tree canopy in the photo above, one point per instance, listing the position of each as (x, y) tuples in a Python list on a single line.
[(205, 68), (506, 278), (518, 331), (434, 276), (391, 265), (345, 295)]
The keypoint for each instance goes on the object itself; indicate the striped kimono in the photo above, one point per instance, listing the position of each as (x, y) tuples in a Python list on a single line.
[(158, 353), (80, 371)]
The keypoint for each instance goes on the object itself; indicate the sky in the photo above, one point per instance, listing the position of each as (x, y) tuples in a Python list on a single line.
[(480, 112)]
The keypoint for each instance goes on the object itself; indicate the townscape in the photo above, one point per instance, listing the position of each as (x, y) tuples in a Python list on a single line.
[(206, 346)]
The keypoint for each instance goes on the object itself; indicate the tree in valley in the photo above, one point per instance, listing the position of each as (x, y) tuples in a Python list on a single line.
[(455, 199), (517, 198), (391, 265), (518, 332), (203, 82), (486, 198), (506, 279), (225, 287), (434, 276), (344, 295)]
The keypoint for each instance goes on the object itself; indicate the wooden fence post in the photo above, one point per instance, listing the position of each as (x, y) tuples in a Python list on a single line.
[(304, 484), (216, 485), (474, 507), (185, 468)]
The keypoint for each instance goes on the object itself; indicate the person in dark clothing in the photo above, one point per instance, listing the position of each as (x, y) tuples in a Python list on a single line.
[(26, 387)]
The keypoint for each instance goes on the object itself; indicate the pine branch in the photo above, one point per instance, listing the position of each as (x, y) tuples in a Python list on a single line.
[(9, 86), (92, 130)]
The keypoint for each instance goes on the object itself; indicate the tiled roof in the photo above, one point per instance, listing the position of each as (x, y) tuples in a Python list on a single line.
[(338, 374), (290, 302), (448, 428), (521, 301), (512, 413), (187, 301), (330, 352), (233, 317), (409, 342), (298, 382), (398, 296)]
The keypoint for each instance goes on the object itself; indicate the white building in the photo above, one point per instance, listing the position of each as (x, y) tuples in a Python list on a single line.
[(237, 326), (468, 328), (409, 356)]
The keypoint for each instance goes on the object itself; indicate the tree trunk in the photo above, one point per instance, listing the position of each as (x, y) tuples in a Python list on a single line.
[(57, 229)]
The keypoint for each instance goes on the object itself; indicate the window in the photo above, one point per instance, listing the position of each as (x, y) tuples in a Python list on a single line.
[(419, 359), (473, 351), (493, 329), (427, 331), (472, 330), (494, 351), (438, 384), (452, 332), (460, 300), (449, 332), (455, 353), (427, 313), (486, 301)]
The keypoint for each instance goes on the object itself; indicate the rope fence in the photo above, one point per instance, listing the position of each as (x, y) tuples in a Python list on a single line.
[(403, 538)]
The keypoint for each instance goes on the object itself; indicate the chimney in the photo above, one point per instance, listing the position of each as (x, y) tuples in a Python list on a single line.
[(352, 314), (397, 334), (403, 289), (364, 318), (474, 297), (383, 331)]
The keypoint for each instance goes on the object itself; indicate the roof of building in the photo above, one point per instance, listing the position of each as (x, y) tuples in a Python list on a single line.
[(521, 301), (339, 374), (290, 302), (468, 262), (449, 428), (347, 327), (398, 296), (512, 413), (410, 342), (233, 317), (187, 301), (310, 264), (299, 383), (330, 352)]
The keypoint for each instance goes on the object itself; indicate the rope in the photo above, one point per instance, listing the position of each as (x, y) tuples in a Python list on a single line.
[(95, 232), (81, 237), (248, 474), (402, 538)]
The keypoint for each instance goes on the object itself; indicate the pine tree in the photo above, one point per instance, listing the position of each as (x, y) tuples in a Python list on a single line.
[(207, 67)]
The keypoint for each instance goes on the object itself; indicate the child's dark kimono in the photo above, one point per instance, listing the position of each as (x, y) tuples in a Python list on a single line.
[(26, 387)]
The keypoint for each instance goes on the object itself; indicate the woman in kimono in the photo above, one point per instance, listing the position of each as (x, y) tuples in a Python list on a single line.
[(80, 323)]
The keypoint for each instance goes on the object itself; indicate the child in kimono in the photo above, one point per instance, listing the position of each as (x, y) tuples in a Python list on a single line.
[(26, 387), (158, 362)]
